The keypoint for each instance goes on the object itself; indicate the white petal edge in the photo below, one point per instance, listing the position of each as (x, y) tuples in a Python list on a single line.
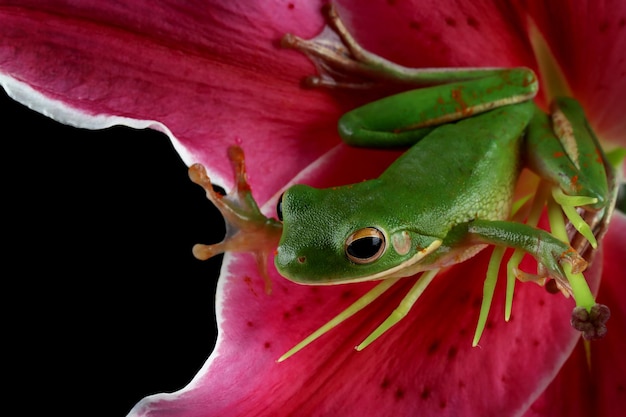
[(68, 115), (143, 407)]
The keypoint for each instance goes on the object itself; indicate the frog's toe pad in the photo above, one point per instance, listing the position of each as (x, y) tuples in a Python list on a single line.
[(204, 252), (591, 323)]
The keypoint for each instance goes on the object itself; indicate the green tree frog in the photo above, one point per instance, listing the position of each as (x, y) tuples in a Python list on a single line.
[(469, 132)]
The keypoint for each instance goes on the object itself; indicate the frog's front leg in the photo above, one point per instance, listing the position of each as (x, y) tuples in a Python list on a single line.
[(247, 229), (560, 260), (563, 150)]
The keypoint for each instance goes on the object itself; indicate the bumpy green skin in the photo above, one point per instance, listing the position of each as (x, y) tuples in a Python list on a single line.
[(455, 183)]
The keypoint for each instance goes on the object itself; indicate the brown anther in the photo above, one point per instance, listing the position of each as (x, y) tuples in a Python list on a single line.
[(591, 323)]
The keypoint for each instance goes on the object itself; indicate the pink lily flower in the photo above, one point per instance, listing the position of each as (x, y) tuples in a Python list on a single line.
[(210, 75)]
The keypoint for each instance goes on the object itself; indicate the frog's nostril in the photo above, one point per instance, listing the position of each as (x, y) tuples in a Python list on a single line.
[(301, 259)]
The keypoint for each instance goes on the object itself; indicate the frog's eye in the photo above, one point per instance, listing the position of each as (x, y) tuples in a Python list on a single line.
[(365, 245), (279, 207)]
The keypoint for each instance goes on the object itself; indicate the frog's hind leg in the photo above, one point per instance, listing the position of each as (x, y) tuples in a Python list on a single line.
[(342, 62), (563, 149)]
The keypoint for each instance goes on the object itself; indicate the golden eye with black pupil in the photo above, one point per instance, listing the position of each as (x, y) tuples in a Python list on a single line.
[(365, 245), (279, 207)]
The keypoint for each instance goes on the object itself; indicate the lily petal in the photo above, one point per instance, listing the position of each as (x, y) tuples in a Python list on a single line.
[(426, 362), (430, 33), (589, 42), (184, 68)]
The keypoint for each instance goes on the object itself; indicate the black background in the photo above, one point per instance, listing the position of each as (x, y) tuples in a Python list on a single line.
[(100, 286)]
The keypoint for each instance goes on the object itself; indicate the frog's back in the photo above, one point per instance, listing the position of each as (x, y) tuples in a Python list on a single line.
[(461, 171)]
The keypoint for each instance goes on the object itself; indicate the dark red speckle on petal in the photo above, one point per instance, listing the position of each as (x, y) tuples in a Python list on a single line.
[(385, 384), (399, 394), (452, 352), (291, 6), (415, 25), (603, 27), (471, 21), (450, 22), (425, 393), (434, 347)]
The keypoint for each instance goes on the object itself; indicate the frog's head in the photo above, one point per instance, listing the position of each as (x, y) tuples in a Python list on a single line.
[(346, 234)]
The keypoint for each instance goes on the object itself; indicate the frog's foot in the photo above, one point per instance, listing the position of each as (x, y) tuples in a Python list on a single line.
[(247, 229), (586, 226), (341, 62)]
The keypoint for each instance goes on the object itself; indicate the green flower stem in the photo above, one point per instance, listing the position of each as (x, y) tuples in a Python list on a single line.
[(488, 289), (580, 289)]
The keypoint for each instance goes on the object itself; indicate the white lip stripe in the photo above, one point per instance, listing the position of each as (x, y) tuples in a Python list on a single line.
[(72, 116), (391, 271)]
